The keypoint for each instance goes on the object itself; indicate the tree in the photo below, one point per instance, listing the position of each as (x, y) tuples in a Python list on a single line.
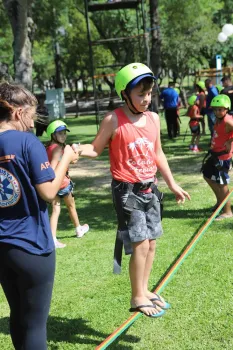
[(155, 53), (18, 12), (187, 34)]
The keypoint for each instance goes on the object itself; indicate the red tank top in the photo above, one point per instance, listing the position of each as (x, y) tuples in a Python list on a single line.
[(131, 152), (193, 110), (220, 137), (49, 151)]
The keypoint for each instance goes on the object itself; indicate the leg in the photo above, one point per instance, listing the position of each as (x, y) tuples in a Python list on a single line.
[(70, 204), (35, 283), (223, 192), (168, 121), (56, 210), (137, 267), (28, 292), (174, 122), (8, 280), (215, 188), (220, 191)]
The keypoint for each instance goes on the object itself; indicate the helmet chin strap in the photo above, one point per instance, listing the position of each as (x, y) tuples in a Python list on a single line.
[(130, 100)]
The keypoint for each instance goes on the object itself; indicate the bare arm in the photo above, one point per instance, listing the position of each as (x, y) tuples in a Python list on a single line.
[(102, 138), (48, 190), (164, 168), (229, 129)]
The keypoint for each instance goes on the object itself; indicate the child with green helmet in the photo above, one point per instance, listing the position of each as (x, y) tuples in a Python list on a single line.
[(133, 135), (217, 164), (56, 130), (195, 117)]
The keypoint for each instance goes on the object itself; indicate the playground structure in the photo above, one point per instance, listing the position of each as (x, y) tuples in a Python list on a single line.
[(90, 9)]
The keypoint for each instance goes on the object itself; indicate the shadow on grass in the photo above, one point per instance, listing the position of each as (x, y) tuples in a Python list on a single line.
[(73, 331)]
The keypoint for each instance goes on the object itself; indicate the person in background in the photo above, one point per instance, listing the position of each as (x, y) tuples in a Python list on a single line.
[(216, 166), (55, 148), (195, 117), (170, 100), (212, 92), (227, 89)]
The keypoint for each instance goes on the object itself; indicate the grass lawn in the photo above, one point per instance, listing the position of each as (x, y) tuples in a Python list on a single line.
[(89, 302)]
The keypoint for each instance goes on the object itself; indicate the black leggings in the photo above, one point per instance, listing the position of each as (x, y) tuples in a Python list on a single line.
[(27, 281)]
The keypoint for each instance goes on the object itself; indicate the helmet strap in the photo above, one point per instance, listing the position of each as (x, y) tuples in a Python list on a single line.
[(131, 102)]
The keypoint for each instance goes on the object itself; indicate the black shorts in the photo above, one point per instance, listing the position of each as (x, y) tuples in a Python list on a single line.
[(195, 130)]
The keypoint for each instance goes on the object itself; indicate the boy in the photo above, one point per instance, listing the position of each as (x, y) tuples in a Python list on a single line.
[(133, 136), (216, 167), (193, 113)]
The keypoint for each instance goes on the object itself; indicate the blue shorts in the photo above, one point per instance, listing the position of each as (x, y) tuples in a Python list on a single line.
[(214, 173), (66, 191)]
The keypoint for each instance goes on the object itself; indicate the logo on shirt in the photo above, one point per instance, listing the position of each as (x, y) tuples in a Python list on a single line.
[(141, 160), (10, 191)]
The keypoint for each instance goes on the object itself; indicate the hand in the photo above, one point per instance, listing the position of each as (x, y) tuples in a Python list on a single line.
[(76, 148), (69, 152), (228, 145), (180, 194)]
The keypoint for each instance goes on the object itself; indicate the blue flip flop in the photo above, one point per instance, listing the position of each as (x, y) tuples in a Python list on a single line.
[(139, 307), (158, 298)]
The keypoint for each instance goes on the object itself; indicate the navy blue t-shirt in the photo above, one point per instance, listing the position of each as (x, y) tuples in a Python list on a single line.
[(170, 98), (24, 220)]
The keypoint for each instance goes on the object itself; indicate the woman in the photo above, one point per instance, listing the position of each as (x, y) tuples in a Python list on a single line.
[(27, 252)]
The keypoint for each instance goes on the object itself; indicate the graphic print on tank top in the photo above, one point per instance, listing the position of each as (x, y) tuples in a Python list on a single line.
[(140, 160)]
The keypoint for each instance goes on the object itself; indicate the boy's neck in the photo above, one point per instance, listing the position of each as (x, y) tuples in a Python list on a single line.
[(130, 114)]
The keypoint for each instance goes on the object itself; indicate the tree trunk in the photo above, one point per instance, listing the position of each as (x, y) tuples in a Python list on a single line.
[(18, 14), (155, 53)]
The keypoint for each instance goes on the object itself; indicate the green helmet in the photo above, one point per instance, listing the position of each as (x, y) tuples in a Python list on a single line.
[(129, 73), (201, 84), (221, 101), (219, 88), (177, 90), (56, 125), (192, 99)]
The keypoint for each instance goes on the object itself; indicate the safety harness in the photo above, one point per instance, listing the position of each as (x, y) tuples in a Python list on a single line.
[(211, 159), (126, 209)]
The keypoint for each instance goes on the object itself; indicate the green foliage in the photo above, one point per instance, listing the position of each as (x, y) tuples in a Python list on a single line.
[(188, 31), (6, 39)]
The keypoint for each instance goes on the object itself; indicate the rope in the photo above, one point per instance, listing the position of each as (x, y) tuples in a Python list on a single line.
[(168, 276)]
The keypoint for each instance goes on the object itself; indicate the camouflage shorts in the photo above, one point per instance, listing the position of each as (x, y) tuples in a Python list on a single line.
[(138, 225)]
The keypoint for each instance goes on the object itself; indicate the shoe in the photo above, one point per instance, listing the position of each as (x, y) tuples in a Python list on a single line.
[(139, 307), (80, 232), (191, 147), (195, 148), (223, 217), (59, 244), (165, 305)]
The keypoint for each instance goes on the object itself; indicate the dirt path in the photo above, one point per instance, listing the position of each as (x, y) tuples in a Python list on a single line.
[(91, 168)]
